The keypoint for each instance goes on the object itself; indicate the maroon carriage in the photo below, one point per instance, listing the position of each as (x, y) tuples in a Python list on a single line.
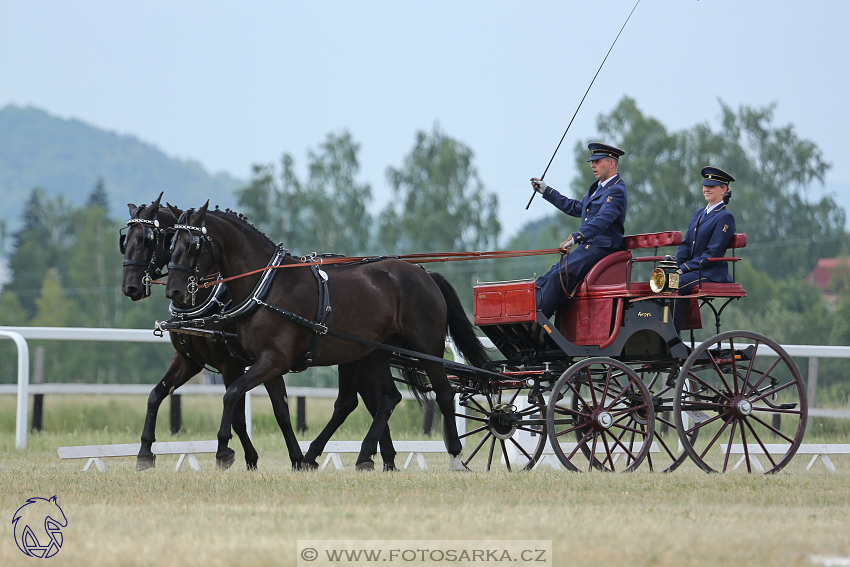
[(612, 383)]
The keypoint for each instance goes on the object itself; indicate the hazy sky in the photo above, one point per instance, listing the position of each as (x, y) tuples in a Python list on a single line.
[(235, 83)]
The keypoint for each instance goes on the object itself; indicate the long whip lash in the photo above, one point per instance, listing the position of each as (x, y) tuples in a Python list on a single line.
[(582, 102)]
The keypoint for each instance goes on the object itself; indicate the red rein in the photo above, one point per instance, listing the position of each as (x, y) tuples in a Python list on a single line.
[(422, 258)]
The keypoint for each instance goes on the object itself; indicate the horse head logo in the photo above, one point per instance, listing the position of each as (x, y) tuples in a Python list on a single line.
[(38, 526)]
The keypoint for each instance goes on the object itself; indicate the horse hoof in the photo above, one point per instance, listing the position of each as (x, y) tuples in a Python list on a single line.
[(306, 465), (145, 463), (225, 462), (365, 466), (390, 467), (456, 464), (252, 465)]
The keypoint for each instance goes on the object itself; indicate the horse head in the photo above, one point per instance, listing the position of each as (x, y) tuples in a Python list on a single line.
[(143, 247), (191, 255)]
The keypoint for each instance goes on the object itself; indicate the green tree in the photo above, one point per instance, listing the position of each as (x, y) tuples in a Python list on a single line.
[(12, 313), (92, 269), (439, 202), (787, 230), (327, 212), (41, 244), (53, 309)]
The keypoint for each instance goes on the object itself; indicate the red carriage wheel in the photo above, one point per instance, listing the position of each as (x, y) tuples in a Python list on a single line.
[(502, 429), (746, 404), (593, 414)]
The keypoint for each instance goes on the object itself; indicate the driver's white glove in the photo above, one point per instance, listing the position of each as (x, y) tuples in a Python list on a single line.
[(538, 185), (566, 244)]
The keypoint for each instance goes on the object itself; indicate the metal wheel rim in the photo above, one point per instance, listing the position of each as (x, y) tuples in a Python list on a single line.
[(581, 419), (525, 457), (748, 381)]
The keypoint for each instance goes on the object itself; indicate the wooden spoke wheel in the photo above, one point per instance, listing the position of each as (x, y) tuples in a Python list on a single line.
[(671, 453), (740, 404), (502, 429), (593, 416)]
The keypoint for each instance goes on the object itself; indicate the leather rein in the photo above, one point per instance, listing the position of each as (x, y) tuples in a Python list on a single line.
[(422, 258)]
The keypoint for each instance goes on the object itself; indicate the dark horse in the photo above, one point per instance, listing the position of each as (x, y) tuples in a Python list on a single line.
[(145, 254), (388, 301)]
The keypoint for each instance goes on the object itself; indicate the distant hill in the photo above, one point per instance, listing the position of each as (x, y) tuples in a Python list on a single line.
[(67, 157)]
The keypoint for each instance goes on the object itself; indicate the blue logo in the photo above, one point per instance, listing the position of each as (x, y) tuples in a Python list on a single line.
[(38, 526)]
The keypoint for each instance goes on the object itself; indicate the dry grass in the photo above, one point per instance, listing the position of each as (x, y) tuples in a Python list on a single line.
[(239, 518)]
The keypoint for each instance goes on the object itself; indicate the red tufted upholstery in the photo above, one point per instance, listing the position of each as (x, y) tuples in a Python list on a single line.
[(653, 239)]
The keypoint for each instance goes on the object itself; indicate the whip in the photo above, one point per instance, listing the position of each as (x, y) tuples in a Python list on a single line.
[(582, 101)]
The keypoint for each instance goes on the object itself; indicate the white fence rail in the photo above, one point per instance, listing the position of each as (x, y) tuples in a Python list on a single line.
[(20, 335)]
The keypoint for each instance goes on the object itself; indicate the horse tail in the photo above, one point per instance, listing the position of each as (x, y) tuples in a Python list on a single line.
[(460, 329)]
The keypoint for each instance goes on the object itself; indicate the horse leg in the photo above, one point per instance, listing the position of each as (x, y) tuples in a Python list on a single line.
[(240, 428), (256, 375), (276, 388), (346, 402), (376, 366), (178, 373), (444, 395), (230, 372), (388, 452)]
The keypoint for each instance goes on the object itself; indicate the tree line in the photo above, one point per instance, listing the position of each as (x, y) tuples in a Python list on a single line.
[(66, 268)]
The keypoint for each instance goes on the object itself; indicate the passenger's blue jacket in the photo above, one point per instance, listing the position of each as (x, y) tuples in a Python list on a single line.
[(707, 238), (603, 216)]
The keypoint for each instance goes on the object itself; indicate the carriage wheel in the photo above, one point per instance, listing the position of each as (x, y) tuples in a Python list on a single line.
[(502, 429), (592, 416), (745, 408), (671, 453)]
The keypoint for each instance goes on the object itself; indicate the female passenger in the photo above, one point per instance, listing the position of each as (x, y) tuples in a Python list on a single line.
[(708, 235)]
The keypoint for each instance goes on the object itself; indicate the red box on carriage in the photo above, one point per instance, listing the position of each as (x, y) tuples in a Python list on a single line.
[(505, 302)]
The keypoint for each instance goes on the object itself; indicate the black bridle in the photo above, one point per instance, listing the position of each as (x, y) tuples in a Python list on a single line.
[(151, 239), (197, 244)]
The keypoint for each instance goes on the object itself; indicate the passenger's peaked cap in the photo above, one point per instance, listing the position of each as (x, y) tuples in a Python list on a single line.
[(599, 151), (712, 176)]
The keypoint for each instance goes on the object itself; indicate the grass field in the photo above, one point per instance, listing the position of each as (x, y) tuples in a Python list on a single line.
[(236, 517)]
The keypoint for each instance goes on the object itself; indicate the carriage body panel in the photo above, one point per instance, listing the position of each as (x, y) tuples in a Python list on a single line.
[(505, 302)]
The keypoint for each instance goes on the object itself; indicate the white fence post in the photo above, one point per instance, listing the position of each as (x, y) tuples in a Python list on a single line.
[(21, 425)]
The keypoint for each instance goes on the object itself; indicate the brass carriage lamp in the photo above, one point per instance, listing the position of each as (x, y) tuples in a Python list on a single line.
[(664, 278)]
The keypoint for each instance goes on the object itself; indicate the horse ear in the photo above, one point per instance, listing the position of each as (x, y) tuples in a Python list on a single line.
[(174, 210), (133, 208), (201, 215), (155, 204)]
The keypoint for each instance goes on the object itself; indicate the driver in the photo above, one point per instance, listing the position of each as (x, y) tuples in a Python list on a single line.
[(603, 215)]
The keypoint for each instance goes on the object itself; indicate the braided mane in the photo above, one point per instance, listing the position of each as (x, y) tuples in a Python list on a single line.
[(242, 220)]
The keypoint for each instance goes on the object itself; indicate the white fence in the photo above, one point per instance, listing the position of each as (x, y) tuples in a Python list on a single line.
[(23, 389)]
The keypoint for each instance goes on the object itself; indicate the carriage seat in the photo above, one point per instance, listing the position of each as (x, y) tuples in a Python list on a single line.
[(733, 289), (610, 276), (588, 321)]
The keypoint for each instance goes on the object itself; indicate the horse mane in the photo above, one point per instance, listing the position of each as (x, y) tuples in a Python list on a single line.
[(241, 220)]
